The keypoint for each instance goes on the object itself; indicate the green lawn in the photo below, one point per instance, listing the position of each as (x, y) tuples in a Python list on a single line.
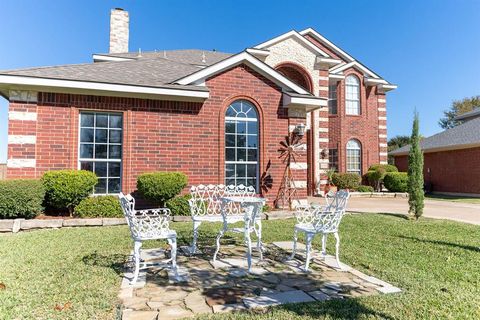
[(435, 262), (442, 197)]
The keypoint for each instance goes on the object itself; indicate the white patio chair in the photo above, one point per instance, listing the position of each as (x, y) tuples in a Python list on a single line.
[(206, 205), (324, 220), (246, 209), (150, 224)]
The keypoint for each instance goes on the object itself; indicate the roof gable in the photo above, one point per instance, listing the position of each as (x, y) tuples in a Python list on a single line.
[(327, 43), (199, 77)]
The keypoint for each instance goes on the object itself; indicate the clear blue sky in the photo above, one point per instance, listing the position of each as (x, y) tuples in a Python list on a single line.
[(431, 49)]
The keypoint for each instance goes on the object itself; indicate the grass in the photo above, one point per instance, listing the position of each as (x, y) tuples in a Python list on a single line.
[(75, 273), (442, 197)]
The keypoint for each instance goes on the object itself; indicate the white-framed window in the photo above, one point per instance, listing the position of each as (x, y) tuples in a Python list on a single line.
[(333, 159), (354, 156), (352, 95), (100, 149), (332, 98), (241, 144)]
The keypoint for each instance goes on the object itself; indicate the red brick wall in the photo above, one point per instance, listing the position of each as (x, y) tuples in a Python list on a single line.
[(449, 171), (159, 135), (364, 128)]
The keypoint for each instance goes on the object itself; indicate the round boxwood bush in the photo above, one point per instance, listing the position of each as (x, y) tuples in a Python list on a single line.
[(386, 167), (99, 207), (21, 198), (364, 189), (66, 188), (396, 181), (179, 205), (160, 187), (346, 180)]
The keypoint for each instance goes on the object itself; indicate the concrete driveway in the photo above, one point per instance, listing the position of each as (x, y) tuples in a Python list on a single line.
[(437, 209)]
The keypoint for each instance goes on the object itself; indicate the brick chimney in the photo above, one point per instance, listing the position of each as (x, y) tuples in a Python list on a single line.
[(119, 21)]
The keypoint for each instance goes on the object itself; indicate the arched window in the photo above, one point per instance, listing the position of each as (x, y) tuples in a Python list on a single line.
[(241, 144), (354, 156), (352, 95)]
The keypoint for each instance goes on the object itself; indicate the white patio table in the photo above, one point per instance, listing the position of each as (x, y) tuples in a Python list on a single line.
[(247, 209)]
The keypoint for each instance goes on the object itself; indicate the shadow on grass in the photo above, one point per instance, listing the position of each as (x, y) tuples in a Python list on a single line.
[(396, 215), (336, 308), (114, 261), (444, 243)]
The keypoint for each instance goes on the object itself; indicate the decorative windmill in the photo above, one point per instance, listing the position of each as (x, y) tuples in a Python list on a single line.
[(287, 192)]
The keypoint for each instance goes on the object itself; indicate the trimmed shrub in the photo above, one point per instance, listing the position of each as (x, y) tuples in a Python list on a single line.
[(375, 178), (179, 205), (21, 198), (160, 187), (64, 189), (396, 181), (386, 167), (364, 189), (346, 180), (99, 207)]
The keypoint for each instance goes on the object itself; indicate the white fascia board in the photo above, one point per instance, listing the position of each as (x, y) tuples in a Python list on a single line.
[(387, 87), (336, 77), (374, 82), (258, 52), (326, 42), (328, 61), (296, 35), (101, 57), (309, 103), (104, 89), (243, 57), (357, 65)]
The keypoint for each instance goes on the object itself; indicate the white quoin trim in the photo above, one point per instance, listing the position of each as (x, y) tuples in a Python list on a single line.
[(383, 154), (382, 100), (298, 166), (382, 127), (383, 145), (21, 139), (300, 184), (382, 109), (382, 118), (21, 163), (24, 116)]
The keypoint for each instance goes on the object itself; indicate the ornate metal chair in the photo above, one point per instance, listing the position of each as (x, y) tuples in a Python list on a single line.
[(206, 205), (246, 209), (324, 220), (150, 224)]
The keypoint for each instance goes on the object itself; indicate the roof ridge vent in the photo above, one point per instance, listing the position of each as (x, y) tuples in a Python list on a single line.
[(204, 58)]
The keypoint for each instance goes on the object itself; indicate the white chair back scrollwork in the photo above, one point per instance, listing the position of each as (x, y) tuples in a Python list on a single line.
[(329, 218), (206, 204), (150, 224)]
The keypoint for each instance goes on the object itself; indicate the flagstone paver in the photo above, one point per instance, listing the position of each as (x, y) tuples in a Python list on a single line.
[(227, 286)]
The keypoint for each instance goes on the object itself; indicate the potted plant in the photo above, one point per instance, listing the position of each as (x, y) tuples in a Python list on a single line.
[(330, 186)]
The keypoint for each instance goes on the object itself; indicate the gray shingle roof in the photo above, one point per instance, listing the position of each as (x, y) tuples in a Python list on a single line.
[(471, 114), (189, 56), (151, 69), (155, 72), (461, 136)]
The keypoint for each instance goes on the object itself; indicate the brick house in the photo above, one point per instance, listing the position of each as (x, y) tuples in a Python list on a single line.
[(218, 117), (450, 157)]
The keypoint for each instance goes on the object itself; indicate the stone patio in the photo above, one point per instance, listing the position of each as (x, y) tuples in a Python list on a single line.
[(228, 287)]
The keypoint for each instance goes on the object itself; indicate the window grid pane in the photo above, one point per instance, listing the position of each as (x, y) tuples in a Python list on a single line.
[(241, 144), (103, 152), (352, 96), (354, 157), (333, 159)]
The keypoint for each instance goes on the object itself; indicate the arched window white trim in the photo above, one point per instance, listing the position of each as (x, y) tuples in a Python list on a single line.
[(241, 144), (352, 95), (354, 156)]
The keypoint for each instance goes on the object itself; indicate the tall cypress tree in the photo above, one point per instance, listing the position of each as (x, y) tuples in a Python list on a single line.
[(415, 172)]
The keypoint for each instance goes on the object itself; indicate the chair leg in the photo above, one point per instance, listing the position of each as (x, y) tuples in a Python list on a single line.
[(324, 244), (295, 238), (193, 247), (248, 240), (259, 239), (308, 240), (173, 245), (136, 253), (337, 249), (220, 235)]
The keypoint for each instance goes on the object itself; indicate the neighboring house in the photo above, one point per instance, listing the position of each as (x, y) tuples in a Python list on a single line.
[(218, 117), (451, 157)]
